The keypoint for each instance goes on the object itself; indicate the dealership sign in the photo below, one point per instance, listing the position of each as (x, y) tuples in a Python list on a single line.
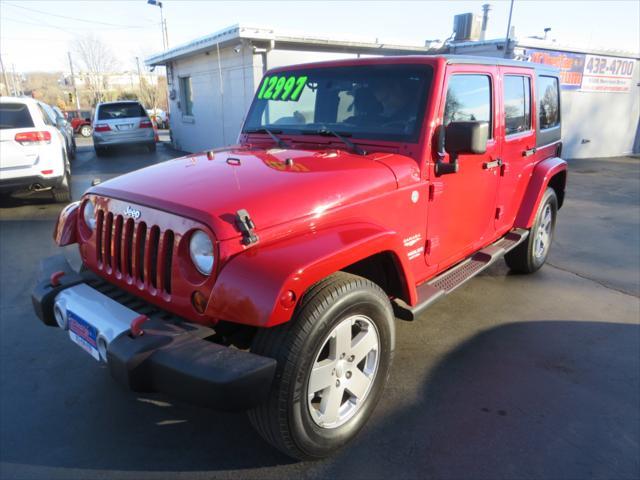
[(571, 65), (588, 73)]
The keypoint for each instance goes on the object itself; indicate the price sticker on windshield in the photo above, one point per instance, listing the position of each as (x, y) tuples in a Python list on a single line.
[(282, 88)]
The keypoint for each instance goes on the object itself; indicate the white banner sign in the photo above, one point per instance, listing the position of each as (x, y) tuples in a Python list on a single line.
[(607, 74)]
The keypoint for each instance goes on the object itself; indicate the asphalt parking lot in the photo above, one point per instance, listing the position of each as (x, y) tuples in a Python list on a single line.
[(511, 377)]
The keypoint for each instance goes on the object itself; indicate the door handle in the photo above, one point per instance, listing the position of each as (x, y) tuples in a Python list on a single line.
[(528, 152), (494, 164)]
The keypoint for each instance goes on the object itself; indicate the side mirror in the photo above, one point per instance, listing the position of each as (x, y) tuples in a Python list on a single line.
[(61, 122), (466, 137), (461, 137)]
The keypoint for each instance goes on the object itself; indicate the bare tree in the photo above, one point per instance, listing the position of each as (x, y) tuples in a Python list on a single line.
[(97, 61), (152, 88), (153, 94)]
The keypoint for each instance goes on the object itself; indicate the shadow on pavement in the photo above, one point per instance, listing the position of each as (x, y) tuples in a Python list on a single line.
[(540, 399)]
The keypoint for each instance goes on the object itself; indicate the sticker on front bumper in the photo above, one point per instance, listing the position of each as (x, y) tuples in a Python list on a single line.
[(83, 334)]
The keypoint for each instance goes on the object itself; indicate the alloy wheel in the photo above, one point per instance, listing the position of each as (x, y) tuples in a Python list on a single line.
[(543, 233), (343, 371)]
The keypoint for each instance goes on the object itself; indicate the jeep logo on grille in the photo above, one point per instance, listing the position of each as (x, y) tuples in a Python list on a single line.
[(132, 213)]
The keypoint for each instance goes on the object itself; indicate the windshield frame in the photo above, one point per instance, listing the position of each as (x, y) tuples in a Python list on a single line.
[(424, 69)]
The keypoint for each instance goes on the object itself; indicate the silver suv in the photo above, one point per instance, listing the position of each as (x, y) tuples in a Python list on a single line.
[(122, 123)]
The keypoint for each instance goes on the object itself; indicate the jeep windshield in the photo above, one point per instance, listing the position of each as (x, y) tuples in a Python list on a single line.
[(379, 102)]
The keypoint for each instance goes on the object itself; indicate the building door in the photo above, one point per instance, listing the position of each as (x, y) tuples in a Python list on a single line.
[(463, 204)]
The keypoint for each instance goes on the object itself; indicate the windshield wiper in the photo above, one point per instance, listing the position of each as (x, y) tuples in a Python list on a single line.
[(272, 133), (327, 132)]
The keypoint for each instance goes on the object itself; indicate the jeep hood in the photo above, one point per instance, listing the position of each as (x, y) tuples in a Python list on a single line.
[(274, 186)]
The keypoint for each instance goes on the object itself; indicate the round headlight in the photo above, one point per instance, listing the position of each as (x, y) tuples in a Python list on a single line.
[(201, 251), (89, 215)]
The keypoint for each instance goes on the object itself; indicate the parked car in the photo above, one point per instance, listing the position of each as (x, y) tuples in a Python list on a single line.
[(267, 276), (122, 123), (159, 117), (32, 150), (67, 131), (80, 121)]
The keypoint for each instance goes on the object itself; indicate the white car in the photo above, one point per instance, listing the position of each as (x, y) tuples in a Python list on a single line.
[(122, 123), (159, 116), (33, 154)]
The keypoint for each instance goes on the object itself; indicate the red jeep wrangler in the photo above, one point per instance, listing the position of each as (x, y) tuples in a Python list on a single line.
[(80, 121), (268, 276)]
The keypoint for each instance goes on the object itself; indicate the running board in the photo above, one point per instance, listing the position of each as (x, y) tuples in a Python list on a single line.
[(459, 274)]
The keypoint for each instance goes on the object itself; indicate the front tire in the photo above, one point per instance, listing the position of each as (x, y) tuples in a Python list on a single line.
[(334, 359), (531, 254)]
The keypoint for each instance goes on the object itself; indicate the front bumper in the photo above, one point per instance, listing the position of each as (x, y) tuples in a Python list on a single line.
[(172, 356)]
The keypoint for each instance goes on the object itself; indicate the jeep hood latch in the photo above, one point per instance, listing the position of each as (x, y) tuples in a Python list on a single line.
[(246, 227)]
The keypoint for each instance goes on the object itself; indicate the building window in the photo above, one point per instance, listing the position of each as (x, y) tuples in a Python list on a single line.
[(549, 102), (469, 100), (185, 96), (517, 104)]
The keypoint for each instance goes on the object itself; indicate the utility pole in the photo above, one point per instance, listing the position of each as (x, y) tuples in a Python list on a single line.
[(506, 39), (139, 77), (17, 87), (73, 82), (4, 76)]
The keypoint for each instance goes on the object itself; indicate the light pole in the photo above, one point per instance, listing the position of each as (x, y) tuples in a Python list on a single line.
[(506, 40), (163, 25)]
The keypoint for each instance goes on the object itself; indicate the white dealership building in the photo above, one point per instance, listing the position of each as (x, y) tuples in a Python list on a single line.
[(212, 80)]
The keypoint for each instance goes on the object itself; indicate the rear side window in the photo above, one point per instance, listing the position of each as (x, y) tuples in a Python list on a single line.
[(548, 102), (468, 99), (15, 115), (48, 115), (517, 104), (115, 111)]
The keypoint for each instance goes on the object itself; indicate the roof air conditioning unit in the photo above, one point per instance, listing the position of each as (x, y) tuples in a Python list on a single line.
[(467, 27)]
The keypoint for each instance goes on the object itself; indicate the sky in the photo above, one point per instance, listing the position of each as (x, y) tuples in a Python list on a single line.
[(36, 35)]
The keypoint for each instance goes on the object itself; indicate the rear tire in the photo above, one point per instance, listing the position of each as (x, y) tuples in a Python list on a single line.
[(334, 358), (72, 150), (62, 194), (531, 254), (100, 151), (86, 130), (151, 147)]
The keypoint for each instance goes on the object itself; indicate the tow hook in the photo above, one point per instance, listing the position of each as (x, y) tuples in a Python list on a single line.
[(136, 325), (54, 280)]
